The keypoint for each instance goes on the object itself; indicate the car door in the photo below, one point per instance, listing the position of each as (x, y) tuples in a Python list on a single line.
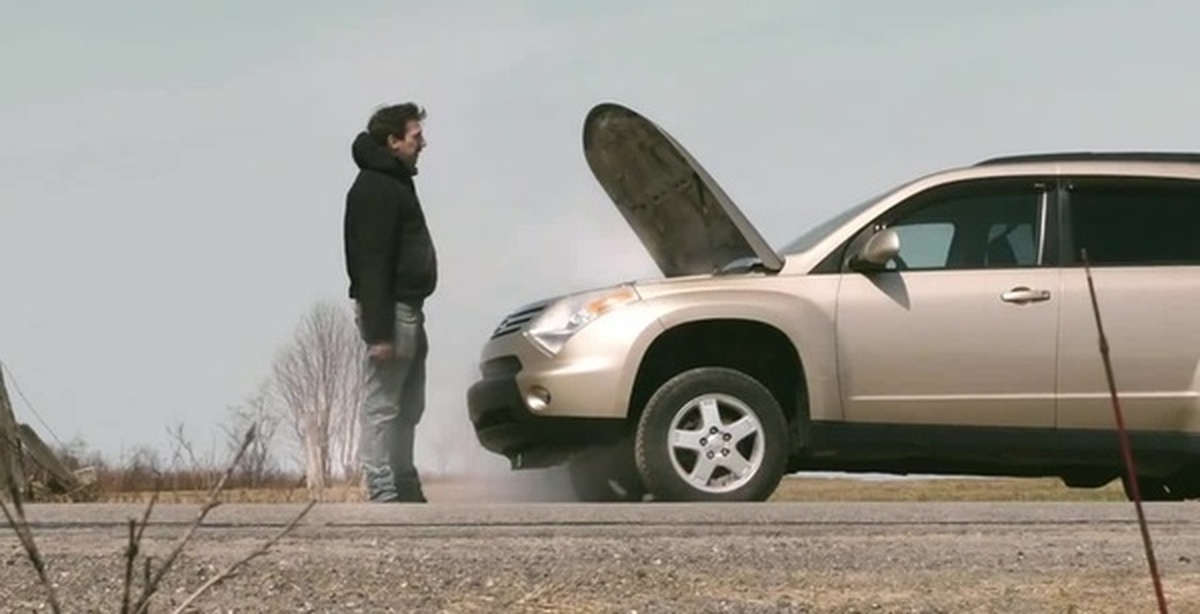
[(961, 328), (1140, 235)]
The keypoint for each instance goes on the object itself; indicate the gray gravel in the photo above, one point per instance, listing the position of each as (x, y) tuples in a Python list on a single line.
[(776, 557)]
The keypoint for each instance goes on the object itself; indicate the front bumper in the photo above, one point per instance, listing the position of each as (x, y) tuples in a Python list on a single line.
[(504, 425)]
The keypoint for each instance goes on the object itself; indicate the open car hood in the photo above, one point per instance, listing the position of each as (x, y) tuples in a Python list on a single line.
[(685, 220)]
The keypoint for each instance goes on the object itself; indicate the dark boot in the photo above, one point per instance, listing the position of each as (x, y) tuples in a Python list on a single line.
[(408, 490), (408, 482)]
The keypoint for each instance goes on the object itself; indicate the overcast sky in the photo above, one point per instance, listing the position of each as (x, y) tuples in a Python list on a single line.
[(172, 175)]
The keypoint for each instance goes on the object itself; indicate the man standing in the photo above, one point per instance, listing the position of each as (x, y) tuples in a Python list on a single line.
[(392, 265)]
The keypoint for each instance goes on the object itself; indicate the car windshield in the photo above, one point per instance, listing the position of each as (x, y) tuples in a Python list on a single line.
[(820, 231)]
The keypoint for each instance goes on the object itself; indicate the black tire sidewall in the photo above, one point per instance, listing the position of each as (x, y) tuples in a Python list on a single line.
[(653, 453)]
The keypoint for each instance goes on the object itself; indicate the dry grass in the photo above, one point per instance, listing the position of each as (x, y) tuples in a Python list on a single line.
[(457, 489), (332, 494), (941, 489)]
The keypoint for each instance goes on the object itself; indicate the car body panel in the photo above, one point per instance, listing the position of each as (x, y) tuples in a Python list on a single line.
[(1150, 319), (941, 347)]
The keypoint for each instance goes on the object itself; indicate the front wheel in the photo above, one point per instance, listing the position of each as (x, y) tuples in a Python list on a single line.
[(712, 434)]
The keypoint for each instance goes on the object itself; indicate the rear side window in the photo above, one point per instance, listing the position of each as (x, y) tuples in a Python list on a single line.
[(1134, 222)]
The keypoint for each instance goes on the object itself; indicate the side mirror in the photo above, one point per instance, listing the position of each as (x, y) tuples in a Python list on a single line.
[(879, 249)]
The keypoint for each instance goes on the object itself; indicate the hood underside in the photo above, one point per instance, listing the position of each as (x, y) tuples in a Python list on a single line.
[(685, 220)]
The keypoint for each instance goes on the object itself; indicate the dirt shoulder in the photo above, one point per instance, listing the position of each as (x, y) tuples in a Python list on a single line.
[(848, 557)]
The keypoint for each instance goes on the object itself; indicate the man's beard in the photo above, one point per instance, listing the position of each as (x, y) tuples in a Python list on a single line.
[(411, 165)]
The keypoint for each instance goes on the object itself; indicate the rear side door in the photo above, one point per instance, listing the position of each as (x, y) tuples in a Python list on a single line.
[(1143, 239), (962, 328)]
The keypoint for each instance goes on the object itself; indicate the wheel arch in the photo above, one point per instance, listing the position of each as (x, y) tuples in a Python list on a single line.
[(755, 347)]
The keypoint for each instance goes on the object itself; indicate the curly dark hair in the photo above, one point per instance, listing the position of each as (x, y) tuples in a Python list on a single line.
[(393, 120)]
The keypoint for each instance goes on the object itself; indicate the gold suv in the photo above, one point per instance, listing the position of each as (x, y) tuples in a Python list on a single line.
[(943, 327)]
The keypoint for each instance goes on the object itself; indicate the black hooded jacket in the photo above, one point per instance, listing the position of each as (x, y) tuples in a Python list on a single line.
[(390, 255)]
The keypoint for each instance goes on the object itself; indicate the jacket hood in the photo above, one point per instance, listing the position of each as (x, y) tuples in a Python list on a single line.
[(369, 155), (684, 219)]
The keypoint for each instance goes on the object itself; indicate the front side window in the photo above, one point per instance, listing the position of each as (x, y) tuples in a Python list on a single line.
[(973, 225), (926, 245), (1132, 222)]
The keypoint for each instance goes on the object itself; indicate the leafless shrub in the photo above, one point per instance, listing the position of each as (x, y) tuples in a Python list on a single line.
[(259, 464), (20, 525), (151, 587), (151, 577), (134, 473), (141, 467), (257, 552)]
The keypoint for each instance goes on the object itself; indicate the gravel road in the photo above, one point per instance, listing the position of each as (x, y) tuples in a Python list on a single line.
[(555, 557)]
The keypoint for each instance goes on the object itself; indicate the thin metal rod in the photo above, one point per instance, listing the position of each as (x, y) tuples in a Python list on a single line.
[(1126, 451)]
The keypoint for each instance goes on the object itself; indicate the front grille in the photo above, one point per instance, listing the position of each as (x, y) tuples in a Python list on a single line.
[(518, 319)]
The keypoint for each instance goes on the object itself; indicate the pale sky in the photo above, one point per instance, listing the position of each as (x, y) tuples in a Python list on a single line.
[(172, 175)]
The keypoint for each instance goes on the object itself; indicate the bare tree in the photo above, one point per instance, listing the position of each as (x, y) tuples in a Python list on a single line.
[(257, 411), (139, 468), (318, 378), (344, 433), (188, 470)]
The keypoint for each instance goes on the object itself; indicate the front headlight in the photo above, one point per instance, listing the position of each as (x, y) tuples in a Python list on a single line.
[(570, 314)]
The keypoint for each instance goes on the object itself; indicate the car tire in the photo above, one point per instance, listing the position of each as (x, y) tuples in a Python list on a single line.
[(712, 434), (603, 474), (1152, 489), (1186, 482)]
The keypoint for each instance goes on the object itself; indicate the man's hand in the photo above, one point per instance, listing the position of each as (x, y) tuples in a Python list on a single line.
[(381, 351)]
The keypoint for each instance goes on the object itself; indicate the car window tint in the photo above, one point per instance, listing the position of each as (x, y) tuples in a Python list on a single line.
[(1019, 238), (925, 245), (986, 226), (1135, 222)]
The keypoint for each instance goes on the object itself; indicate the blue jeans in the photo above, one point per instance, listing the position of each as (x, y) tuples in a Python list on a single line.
[(393, 403)]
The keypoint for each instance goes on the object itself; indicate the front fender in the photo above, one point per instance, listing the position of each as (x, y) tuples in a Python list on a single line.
[(802, 308)]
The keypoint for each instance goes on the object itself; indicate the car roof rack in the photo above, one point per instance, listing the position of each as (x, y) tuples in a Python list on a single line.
[(1093, 156)]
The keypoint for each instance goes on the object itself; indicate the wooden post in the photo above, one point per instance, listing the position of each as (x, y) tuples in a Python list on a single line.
[(59, 477), (10, 459)]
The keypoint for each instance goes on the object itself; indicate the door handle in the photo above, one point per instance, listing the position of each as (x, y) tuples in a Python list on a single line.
[(1022, 295)]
